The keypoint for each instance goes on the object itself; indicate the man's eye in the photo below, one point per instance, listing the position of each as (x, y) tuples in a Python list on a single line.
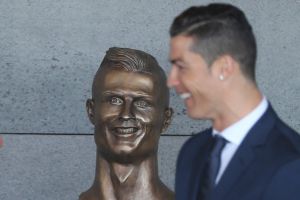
[(180, 67), (142, 104), (116, 101)]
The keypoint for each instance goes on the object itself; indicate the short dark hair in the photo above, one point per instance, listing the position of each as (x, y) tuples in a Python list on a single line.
[(219, 29), (132, 60)]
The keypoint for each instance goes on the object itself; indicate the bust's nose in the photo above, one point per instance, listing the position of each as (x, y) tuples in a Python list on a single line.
[(127, 110)]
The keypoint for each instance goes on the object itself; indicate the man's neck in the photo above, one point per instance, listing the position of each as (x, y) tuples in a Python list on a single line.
[(237, 103)]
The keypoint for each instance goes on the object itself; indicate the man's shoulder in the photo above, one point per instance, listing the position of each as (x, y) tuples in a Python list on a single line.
[(199, 138), (192, 148), (285, 148), (281, 135), (195, 142), (288, 136), (285, 182)]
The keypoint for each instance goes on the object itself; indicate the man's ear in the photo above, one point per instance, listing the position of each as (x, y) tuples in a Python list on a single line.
[(224, 67), (168, 118), (90, 110)]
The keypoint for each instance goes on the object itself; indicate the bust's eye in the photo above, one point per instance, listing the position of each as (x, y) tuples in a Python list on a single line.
[(141, 104), (116, 101)]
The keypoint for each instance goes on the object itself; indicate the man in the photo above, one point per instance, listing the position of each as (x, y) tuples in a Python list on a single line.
[(129, 109), (253, 154)]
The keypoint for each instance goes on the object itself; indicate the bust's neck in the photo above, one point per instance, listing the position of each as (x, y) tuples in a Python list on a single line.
[(127, 181)]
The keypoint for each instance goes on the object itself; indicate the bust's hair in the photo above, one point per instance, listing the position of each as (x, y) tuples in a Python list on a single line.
[(218, 29), (132, 60)]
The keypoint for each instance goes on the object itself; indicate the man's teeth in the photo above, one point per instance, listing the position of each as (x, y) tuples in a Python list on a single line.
[(185, 95)]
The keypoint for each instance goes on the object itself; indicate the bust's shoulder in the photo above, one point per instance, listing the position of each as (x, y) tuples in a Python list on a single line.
[(88, 195)]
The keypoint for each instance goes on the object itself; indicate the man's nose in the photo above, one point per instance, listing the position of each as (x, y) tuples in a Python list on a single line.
[(127, 111), (173, 77)]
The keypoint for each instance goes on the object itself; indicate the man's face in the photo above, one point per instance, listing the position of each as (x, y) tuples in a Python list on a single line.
[(193, 80), (128, 114)]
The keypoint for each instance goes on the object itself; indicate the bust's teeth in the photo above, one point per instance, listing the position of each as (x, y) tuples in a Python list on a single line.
[(126, 130), (185, 95)]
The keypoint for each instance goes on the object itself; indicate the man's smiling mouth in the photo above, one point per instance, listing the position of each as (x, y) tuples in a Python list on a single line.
[(185, 95)]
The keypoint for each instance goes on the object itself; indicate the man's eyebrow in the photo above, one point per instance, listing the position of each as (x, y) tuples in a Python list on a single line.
[(176, 61), (173, 61)]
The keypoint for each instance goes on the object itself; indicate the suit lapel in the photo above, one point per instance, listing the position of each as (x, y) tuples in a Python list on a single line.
[(199, 164), (245, 154), (233, 172)]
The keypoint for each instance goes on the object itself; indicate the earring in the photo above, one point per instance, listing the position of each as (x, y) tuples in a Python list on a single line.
[(221, 77)]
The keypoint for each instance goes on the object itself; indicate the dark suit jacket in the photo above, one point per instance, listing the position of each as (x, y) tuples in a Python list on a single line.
[(265, 166)]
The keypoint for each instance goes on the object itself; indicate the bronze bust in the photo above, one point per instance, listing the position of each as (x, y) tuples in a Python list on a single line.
[(129, 109)]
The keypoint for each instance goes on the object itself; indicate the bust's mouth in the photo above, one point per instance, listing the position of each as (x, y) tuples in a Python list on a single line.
[(125, 131), (126, 136)]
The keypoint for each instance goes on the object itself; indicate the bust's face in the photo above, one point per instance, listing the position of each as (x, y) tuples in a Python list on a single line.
[(127, 115)]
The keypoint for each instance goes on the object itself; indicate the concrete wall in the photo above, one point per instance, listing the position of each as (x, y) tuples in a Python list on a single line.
[(49, 52)]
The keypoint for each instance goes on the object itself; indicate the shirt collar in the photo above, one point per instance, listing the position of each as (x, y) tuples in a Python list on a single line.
[(238, 131)]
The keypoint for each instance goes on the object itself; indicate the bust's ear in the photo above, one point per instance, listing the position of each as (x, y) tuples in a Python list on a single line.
[(167, 119), (90, 110)]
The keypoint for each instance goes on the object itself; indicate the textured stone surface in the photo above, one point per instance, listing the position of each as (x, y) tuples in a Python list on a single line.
[(61, 167), (49, 51)]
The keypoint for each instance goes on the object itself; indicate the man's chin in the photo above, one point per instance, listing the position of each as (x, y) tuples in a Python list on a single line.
[(191, 115)]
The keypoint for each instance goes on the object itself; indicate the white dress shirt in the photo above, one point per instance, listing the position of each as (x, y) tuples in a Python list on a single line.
[(236, 133)]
